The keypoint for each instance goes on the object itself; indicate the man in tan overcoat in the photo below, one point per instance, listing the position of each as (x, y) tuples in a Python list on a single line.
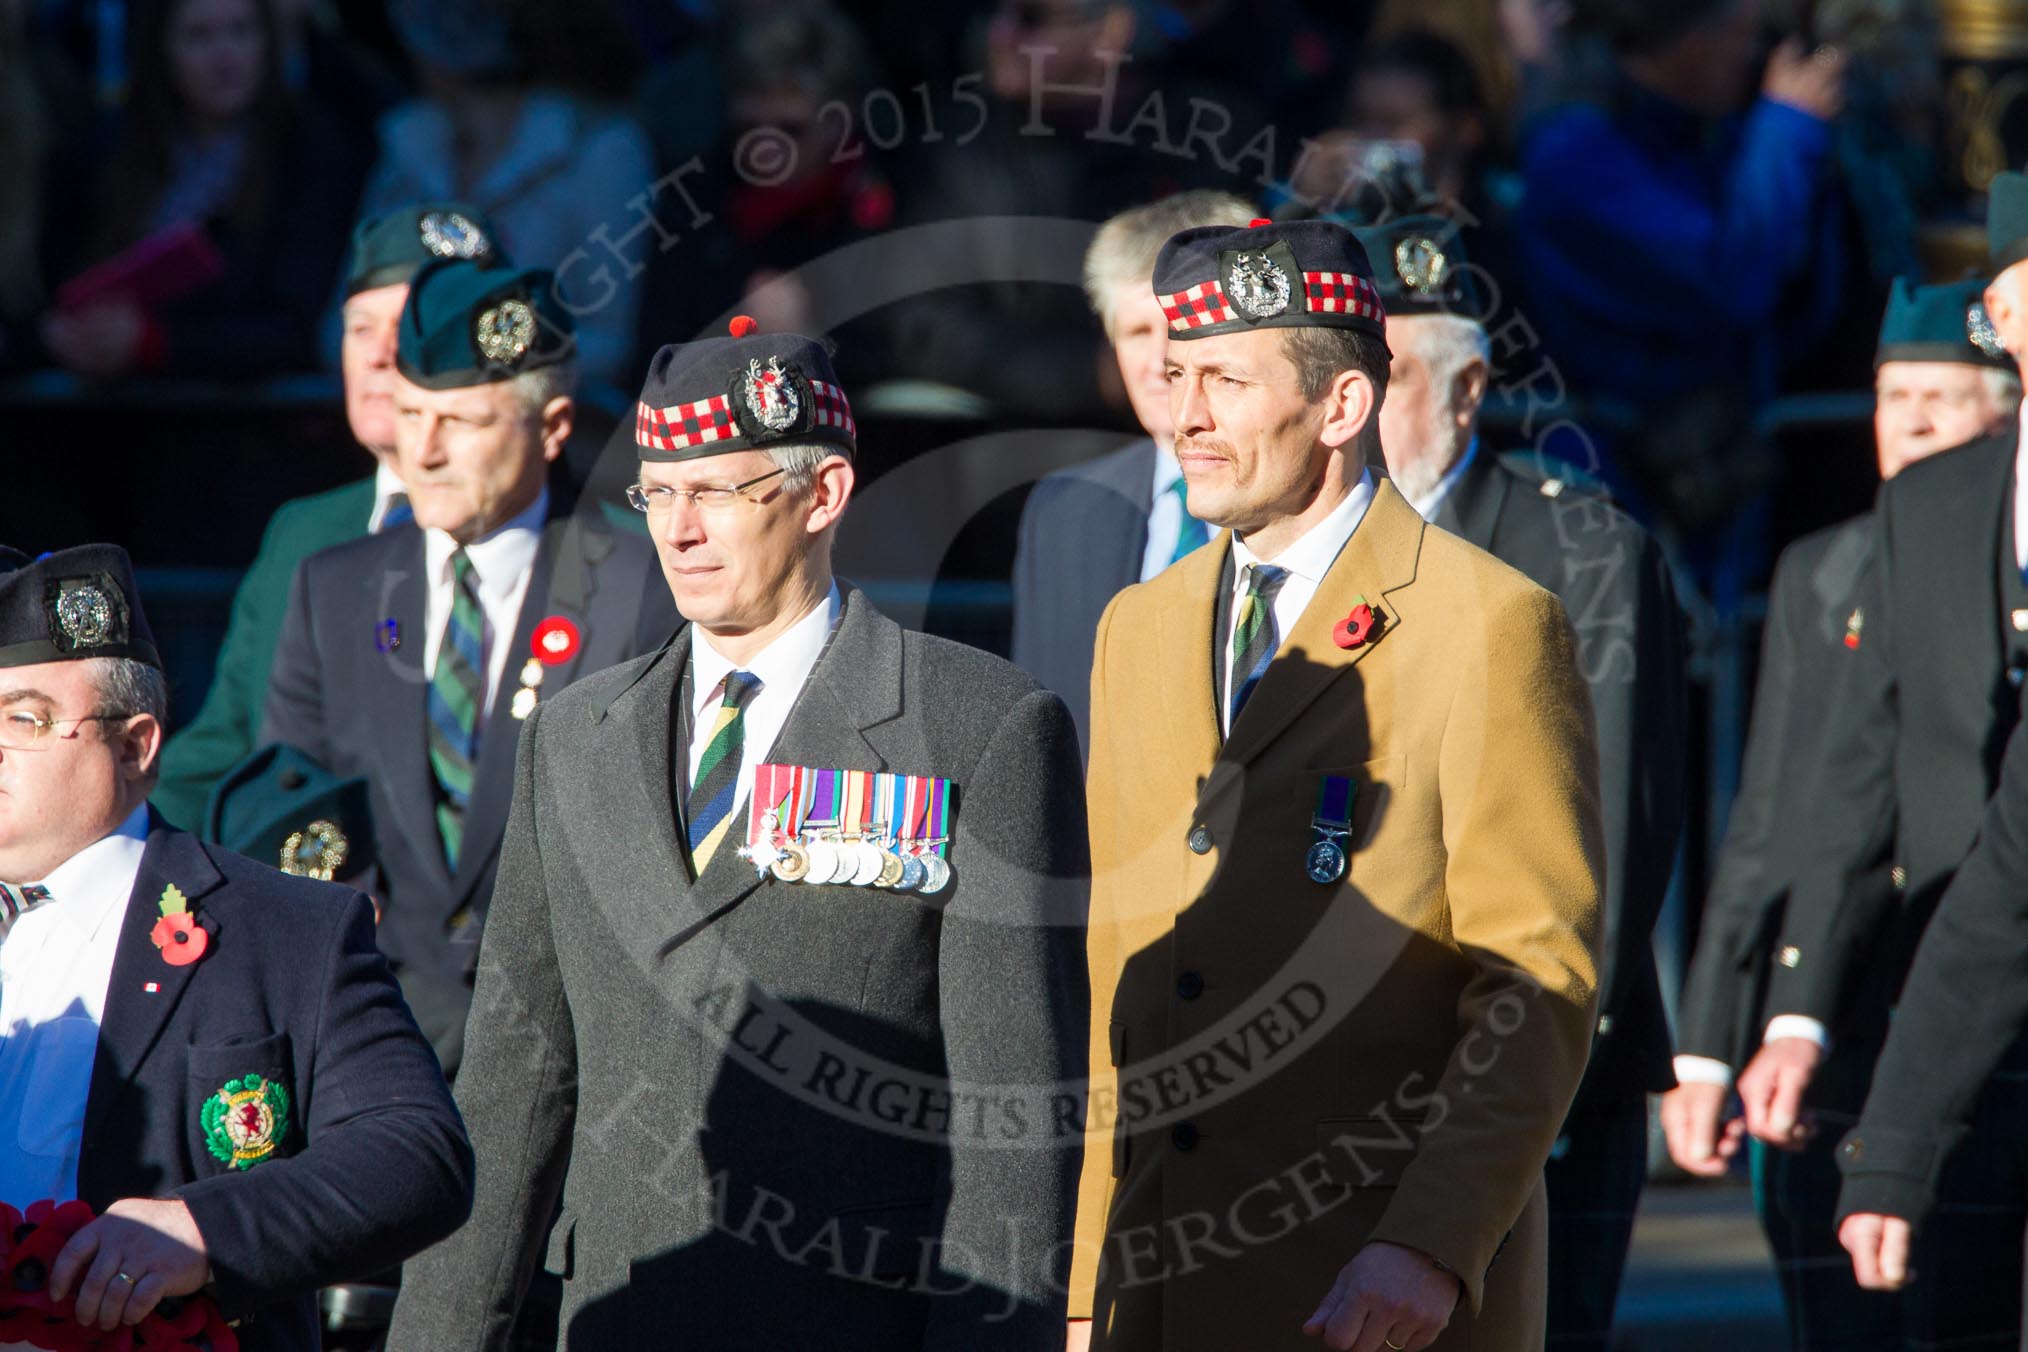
[(1346, 854)]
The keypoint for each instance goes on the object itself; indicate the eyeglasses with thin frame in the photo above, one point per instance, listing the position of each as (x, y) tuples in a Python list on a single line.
[(656, 499), (24, 731)]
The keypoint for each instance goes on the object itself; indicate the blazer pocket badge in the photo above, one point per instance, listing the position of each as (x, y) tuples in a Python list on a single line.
[(246, 1120), (856, 828)]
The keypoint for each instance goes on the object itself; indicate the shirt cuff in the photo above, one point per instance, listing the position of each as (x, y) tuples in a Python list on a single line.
[(1703, 1070), (1798, 1025)]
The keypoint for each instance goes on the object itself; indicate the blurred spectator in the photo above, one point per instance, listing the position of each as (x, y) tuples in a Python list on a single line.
[(784, 65), (1679, 242), (556, 171), (323, 65), (212, 142), (1053, 141)]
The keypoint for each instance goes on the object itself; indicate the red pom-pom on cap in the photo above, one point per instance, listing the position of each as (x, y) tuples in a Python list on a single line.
[(742, 325), (1257, 222)]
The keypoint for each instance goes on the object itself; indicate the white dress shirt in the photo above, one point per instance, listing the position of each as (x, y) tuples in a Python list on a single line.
[(56, 963), (782, 667), (1426, 507), (2021, 495), (1307, 560), (502, 563), (1165, 518), (387, 485)]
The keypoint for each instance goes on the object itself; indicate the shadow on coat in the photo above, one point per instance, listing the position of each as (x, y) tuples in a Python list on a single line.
[(825, 1228)]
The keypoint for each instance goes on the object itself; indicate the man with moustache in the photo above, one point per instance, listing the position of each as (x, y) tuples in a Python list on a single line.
[(386, 251), (411, 658), (675, 956), (211, 1055), (1341, 750), (1614, 585), (1935, 389), (1909, 757), (1088, 531)]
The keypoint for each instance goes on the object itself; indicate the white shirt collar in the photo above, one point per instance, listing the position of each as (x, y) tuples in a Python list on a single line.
[(1312, 555), (500, 559), (782, 666), (1426, 508), (386, 484), (101, 875)]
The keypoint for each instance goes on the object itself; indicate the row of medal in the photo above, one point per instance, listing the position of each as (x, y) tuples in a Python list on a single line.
[(862, 828)]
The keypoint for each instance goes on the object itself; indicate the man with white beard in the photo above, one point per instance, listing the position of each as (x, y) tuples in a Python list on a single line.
[(1529, 513)]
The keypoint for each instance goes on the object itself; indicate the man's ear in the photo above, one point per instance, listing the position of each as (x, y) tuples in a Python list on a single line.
[(559, 416), (830, 489), (1468, 390), (140, 744), (1350, 404)]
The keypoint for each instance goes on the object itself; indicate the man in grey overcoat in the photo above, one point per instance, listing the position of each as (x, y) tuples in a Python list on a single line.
[(800, 1071)]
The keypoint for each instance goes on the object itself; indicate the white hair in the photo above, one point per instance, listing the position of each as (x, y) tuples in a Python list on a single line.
[(2003, 388), (1447, 344), (799, 460), (1124, 250), (126, 687), (534, 389)]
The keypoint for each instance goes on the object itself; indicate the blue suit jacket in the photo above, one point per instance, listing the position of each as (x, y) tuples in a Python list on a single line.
[(373, 1163), (359, 711), (1083, 535)]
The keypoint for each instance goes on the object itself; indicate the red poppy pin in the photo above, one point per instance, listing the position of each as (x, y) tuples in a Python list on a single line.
[(556, 641), (1356, 628), (179, 936)]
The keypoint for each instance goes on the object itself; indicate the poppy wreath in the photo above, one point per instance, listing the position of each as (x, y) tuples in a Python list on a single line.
[(29, 1244)]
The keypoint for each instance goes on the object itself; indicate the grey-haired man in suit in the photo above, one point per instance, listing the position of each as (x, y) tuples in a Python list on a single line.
[(1092, 529), (776, 1112)]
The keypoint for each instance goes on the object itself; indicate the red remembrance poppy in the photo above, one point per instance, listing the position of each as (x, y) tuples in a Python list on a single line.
[(1356, 628), (556, 641), (181, 939)]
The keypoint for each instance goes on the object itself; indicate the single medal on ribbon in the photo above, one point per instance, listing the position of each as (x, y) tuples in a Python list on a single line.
[(791, 862), (828, 863), (864, 855), (1326, 859), (937, 873), (764, 831), (886, 811)]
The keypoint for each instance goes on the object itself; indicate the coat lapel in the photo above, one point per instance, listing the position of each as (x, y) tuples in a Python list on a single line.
[(1377, 561), (558, 558), (397, 685), (854, 688), (1189, 695), (135, 1015)]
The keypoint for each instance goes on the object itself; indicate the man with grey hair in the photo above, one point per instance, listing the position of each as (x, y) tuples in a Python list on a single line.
[(410, 658), (205, 1066), (785, 939), (1090, 530), (1615, 586)]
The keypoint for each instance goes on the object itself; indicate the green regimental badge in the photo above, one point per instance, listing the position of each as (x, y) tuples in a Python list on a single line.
[(245, 1121)]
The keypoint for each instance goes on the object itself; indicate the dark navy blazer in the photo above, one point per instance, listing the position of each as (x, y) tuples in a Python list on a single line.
[(372, 1164), (361, 711)]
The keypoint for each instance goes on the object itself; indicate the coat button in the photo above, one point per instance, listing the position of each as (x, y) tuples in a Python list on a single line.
[(1183, 1136), (1605, 1023), (1789, 956), (1190, 985), (1200, 839), (1899, 877), (1854, 1150)]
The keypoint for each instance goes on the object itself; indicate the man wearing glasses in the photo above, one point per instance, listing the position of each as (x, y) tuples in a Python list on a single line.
[(411, 658), (210, 1055), (781, 987)]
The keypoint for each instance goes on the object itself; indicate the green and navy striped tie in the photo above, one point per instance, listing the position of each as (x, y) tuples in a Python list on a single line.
[(713, 791), (1253, 632), (457, 698)]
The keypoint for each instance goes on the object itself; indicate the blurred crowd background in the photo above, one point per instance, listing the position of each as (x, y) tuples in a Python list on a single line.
[(1684, 286)]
